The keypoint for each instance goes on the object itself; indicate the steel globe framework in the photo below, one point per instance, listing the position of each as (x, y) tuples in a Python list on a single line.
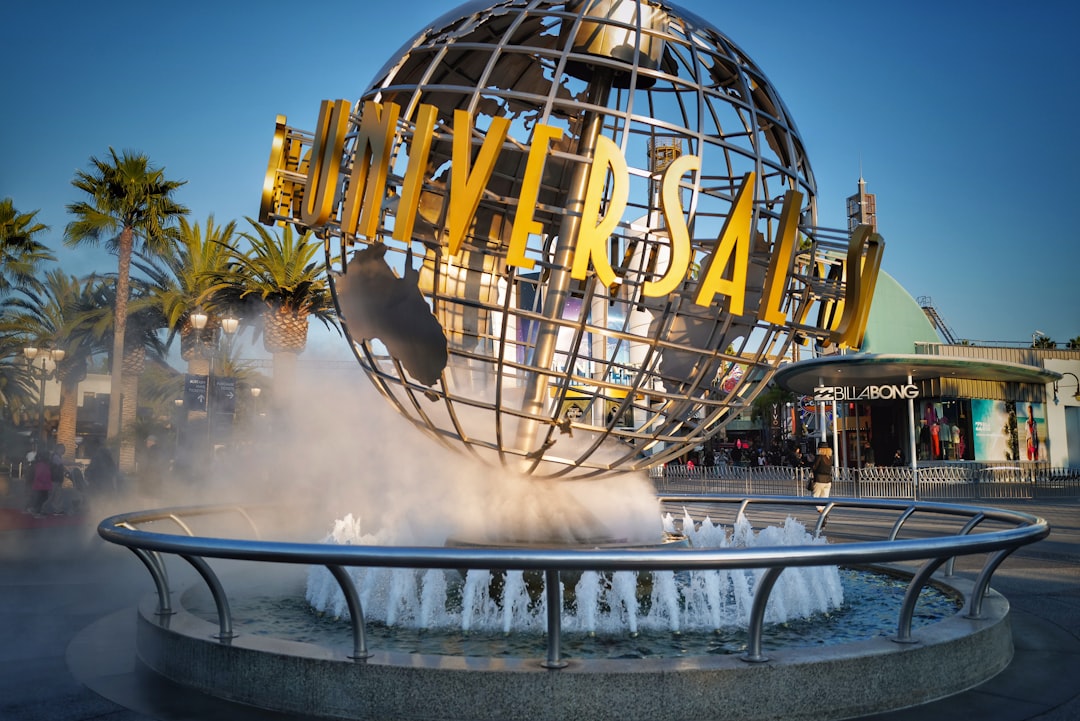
[(570, 238)]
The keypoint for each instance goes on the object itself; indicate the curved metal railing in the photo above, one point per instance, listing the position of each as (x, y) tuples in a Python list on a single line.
[(1020, 529)]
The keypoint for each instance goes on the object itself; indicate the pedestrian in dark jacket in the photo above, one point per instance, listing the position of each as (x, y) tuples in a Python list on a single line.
[(822, 471)]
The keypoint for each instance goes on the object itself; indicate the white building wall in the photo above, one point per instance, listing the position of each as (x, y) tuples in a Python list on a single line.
[(1063, 417), (93, 383)]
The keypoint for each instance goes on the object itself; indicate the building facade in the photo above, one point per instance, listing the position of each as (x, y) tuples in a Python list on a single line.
[(907, 397)]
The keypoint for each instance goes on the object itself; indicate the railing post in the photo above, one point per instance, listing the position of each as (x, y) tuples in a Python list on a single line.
[(907, 608), (982, 583), (757, 615), (553, 590), (900, 522), (154, 565), (356, 612), (968, 527), (218, 592)]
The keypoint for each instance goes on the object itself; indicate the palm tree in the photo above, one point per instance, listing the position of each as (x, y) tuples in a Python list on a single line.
[(21, 255), (183, 280), (286, 276), (48, 319), (17, 387), (1074, 343), (21, 259), (1041, 340), (186, 280), (144, 322), (128, 199)]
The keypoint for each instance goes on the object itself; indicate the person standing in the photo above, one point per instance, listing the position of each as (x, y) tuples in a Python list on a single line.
[(41, 484), (798, 460), (822, 471), (867, 454)]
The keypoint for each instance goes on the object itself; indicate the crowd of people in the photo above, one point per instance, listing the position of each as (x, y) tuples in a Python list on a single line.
[(789, 454), (53, 487), (57, 486)]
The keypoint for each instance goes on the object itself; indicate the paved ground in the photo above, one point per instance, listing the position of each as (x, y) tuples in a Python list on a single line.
[(57, 578)]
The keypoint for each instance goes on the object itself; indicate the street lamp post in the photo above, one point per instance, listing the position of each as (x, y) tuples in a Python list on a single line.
[(255, 392), (229, 325), (49, 358)]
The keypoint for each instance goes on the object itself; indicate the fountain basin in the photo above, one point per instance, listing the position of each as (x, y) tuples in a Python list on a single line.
[(947, 657), (827, 682)]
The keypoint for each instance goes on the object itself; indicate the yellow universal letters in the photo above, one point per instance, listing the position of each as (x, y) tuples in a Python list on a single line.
[(371, 163), (830, 310), (413, 185), (592, 239), (467, 183), (679, 236), (733, 246), (530, 191), (725, 269), (859, 289), (271, 192), (322, 177), (783, 253)]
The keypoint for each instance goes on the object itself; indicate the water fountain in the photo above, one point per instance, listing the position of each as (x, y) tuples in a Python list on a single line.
[(304, 676), (570, 240), (595, 602), (560, 259)]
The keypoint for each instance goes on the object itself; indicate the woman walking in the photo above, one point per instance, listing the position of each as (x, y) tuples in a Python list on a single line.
[(822, 471)]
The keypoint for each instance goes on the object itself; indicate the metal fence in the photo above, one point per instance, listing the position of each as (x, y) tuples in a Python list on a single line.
[(943, 481)]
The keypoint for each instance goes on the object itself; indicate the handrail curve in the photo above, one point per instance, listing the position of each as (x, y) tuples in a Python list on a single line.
[(123, 530)]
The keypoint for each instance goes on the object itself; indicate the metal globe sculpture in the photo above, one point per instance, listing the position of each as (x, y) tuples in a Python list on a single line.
[(570, 238)]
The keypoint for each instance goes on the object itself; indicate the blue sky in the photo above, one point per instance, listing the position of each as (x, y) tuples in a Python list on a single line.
[(961, 115)]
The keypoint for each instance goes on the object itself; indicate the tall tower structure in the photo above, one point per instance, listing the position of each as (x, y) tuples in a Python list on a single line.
[(862, 208), (663, 151)]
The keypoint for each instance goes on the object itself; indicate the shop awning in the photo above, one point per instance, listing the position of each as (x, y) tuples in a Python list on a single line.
[(868, 368)]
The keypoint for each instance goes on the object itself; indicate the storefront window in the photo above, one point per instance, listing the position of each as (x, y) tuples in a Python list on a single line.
[(945, 430)]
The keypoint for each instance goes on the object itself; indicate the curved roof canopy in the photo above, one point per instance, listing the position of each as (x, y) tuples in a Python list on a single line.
[(869, 369)]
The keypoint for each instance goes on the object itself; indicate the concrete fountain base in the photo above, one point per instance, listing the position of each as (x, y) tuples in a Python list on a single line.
[(833, 682)]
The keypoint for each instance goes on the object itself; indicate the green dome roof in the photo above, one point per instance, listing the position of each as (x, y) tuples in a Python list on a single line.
[(896, 322)]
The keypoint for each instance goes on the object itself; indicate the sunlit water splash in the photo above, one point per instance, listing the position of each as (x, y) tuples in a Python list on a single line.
[(597, 603)]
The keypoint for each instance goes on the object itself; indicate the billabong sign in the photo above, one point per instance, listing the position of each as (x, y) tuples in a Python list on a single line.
[(890, 392)]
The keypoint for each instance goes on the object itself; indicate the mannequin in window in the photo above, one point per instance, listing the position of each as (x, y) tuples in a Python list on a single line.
[(1032, 435)]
